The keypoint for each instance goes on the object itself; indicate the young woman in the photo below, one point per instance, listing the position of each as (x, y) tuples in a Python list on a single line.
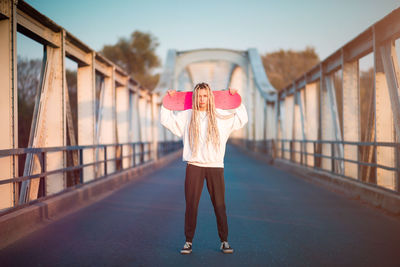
[(204, 130)]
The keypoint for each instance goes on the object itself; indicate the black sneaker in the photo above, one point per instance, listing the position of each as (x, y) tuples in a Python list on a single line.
[(225, 248), (187, 248)]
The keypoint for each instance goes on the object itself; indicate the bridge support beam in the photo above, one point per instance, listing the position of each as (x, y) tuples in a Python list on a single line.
[(300, 132), (48, 125), (122, 110), (288, 124), (338, 165), (143, 111), (351, 116), (392, 71), (259, 117), (8, 100), (108, 122), (53, 124), (249, 100), (155, 114), (86, 87), (238, 80), (280, 111), (271, 122), (137, 124), (149, 125), (311, 118), (297, 125), (327, 131), (385, 131)]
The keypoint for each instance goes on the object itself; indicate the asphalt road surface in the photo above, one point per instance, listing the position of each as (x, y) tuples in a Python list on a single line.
[(275, 219)]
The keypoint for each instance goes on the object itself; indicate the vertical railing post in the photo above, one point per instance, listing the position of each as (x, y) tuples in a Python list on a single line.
[(149, 149), (301, 152), (291, 142), (105, 160), (133, 155), (273, 153), (314, 153), (44, 170), (397, 149), (305, 148), (80, 164), (332, 157), (373, 174), (359, 159), (122, 157), (141, 153)]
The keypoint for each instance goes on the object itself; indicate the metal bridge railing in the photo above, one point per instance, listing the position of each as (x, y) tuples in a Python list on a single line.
[(165, 148), (300, 152), (138, 154)]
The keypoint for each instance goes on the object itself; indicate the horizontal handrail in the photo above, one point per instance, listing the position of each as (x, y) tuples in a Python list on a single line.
[(276, 148), (35, 150), (390, 144), (138, 151)]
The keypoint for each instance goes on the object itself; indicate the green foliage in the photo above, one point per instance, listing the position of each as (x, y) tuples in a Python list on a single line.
[(136, 56), (283, 66)]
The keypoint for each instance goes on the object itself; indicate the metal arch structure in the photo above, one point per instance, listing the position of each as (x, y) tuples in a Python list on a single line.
[(250, 61), (125, 113), (219, 67)]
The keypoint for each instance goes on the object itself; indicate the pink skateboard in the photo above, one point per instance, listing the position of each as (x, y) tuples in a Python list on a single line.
[(183, 100)]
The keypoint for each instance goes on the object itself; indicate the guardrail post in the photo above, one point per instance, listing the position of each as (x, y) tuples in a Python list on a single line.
[(301, 152), (141, 153), (315, 152), (44, 170), (133, 155), (397, 149), (332, 157), (105, 160), (80, 164), (149, 147), (121, 158), (273, 152), (291, 151)]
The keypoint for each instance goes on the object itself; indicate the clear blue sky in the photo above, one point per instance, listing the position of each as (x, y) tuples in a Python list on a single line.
[(237, 24)]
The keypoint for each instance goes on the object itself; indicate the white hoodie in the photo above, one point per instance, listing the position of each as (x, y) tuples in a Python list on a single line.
[(207, 155)]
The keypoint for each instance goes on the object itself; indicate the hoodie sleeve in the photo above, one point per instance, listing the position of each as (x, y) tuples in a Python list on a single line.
[(173, 122), (240, 118)]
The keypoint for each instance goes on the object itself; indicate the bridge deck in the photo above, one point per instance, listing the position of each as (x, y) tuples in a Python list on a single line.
[(274, 219)]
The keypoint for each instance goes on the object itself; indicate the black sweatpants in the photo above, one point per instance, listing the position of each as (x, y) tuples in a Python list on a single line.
[(194, 182)]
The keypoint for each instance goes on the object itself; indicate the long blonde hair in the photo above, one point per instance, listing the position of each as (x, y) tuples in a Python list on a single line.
[(194, 125)]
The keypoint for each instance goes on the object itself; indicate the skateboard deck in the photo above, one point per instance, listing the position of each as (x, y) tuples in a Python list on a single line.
[(183, 100)]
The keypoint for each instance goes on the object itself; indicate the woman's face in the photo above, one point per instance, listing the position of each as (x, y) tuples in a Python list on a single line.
[(203, 99)]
